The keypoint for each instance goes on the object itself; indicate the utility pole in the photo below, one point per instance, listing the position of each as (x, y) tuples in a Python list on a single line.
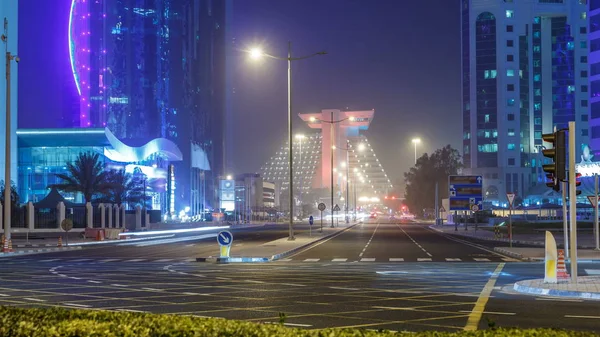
[(332, 149), (573, 201), (7, 153)]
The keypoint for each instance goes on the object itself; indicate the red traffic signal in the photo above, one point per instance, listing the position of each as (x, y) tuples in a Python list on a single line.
[(577, 183)]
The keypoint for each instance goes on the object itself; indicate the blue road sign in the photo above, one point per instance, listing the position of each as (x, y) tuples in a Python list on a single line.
[(465, 192), (225, 238), (311, 220)]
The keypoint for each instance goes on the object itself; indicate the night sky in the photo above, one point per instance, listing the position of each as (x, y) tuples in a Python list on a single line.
[(401, 58)]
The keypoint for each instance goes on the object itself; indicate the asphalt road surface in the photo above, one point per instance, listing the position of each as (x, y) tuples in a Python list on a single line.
[(379, 293)]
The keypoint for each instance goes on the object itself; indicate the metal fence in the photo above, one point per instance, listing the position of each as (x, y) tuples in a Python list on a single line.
[(77, 215), (19, 217), (46, 218)]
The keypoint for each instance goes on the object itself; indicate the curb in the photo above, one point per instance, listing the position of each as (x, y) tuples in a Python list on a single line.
[(515, 255), (555, 292), (272, 258), (292, 251), (531, 243), (36, 251)]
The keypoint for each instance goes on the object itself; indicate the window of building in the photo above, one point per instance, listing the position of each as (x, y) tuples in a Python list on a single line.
[(511, 146), (537, 107), (537, 49), (583, 15), (510, 117), (584, 132), (537, 135), (510, 102), (584, 73), (511, 132), (510, 72), (486, 118), (509, 28), (510, 87), (537, 63), (582, 30), (583, 44), (466, 149), (510, 57), (510, 13), (511, 161), (584, 118), (584, 103), (571, 89), (537, 77), (488, 148), (537, 34), (537, 121), (510, 43), (536, 20), (584, 88), (537, 92)]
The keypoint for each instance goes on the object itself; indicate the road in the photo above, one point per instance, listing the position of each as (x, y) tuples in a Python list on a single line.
[(374, 291)]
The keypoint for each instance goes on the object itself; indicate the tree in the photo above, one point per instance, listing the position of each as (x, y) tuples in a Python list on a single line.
[(86, 176), (421, 179), (122, 188), (14, 196)]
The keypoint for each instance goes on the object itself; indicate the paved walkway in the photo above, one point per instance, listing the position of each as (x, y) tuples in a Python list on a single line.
[(587, 287), (281, 248), (585, 239)]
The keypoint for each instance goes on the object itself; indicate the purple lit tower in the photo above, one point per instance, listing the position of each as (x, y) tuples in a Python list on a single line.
[(88, 60)]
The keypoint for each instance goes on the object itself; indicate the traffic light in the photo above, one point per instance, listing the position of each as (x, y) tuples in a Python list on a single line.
[(558, 153), (577, 183)]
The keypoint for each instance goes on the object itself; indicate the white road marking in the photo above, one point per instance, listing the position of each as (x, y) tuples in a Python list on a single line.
[(222, 278), (492, 312), (297, 324), (452, 259), (311, 260), (367, 259), (108, 260), (556, 299), (191, 245), (481, 259), (153, 289), (413, 240), (293, 284), (129, 310), (164, 260), (81, 260), (424, 259), (576, 316), (4, 295), (75, 278), (592, 271), (196, 294), (33, 299), (283, 260), (135, 260), (369, 242), (253, 281), (77, 305), (119, 285), (339, 260), (392, 308), (50, 260), (343, 288), (396, 259), (92, 281)]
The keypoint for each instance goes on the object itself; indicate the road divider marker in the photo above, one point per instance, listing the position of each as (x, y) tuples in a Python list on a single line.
[(475, 315)]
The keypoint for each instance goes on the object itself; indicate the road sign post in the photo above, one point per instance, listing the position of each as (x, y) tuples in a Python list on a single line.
[(336, 208), (66, 225), (225, 238), (321, 208), (511, 198), (465, 194)]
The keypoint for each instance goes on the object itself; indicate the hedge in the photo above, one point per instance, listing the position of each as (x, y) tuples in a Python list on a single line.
[(17, 322)]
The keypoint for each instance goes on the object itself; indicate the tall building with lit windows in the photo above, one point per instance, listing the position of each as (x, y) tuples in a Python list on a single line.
[(525, 71)]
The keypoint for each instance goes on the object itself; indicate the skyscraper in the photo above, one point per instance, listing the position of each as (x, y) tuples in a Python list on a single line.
[(525, 71)]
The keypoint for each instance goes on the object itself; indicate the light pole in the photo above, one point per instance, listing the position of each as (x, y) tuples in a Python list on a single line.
[(258, 53), (354, 185), (7, 153), (300, 137), (416, 141), (332, 140)]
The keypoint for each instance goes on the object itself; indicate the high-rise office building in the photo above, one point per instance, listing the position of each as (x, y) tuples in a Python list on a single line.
[(525, 71), (594, 69)]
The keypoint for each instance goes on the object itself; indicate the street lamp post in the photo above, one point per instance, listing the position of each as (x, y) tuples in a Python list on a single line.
[(7, 153), (257, 53), (416, 141), (354, 184)]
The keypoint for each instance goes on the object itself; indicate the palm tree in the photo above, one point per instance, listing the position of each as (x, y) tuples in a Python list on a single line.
[(123, 188), (14, 196), (86, 176)]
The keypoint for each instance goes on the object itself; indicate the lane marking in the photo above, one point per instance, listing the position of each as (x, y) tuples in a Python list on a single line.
[(557, 299), (592, 271), (577, 316), (452, 259), (367, 259), (324, 241), (396, 259), (296, 324), (293, 284), (50, 260), (4, 295), (284, 260), (129, 310), (424, 259), (135, 260), (119, 285), (413, 240), (196, 294), (78, 305), (493, 312), (253, 281), (369, 242), (81, 260), (153, 289), (108, 260), (311, 260), (33, 299), (467, 243), (480, 259), (164, 260), (478, 309), (339, 260), (343, 288), (92, 281)]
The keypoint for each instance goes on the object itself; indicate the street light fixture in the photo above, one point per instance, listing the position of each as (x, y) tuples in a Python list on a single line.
[(416, 141), (257, 53)]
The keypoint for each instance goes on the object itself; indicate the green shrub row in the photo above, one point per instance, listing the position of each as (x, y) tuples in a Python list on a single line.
[(54, 322)]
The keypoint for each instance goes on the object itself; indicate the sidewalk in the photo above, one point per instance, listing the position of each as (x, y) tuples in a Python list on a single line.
[(585, 240), (538, 254), (281, 248), (587, 287)]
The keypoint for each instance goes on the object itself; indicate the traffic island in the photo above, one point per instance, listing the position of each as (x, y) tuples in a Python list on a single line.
[(587, 287)]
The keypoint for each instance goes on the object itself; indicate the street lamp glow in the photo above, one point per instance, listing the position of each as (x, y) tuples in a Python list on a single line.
[(333, 147), (355, 170), (352, 118), (228, 177), (299, 136), (343, 164), (312, 119), (416, 140), (361, 147), (256, 53)]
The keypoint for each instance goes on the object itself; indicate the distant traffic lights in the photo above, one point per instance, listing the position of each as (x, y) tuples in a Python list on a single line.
[(557, 169)]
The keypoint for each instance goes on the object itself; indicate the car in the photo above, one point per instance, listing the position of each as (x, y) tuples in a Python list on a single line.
[(373, 216)]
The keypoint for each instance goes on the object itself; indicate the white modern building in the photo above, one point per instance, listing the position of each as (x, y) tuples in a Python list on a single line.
[(525, 71), (10, 24)]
